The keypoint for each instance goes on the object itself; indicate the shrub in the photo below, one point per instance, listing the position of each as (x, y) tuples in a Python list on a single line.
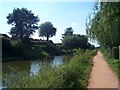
[(24, 51), (74, 42)]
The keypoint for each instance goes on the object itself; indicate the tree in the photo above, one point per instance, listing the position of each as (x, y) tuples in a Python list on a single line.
[(68, 32), (105, 25), (47, 30), (24, 23), (75, 41)]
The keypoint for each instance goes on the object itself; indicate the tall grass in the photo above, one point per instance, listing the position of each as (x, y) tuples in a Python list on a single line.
[(114, 63), (73, 74)]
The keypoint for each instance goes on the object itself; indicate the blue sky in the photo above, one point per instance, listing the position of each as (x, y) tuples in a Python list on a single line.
[(61, 14)]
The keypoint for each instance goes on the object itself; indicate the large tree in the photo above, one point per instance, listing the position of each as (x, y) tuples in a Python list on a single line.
[(24, 23), (47, 30), (105, 25)]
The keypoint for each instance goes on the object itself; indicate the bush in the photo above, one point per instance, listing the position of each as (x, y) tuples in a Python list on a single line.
[(24, 51), (75, 42), (115, 52), (49, 47), (5, 44), (6, 47)]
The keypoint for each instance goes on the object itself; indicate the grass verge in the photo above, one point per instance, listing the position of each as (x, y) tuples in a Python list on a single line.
[(114, 63)]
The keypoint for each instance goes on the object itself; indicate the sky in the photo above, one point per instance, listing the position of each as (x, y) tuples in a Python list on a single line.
[(61, 14)]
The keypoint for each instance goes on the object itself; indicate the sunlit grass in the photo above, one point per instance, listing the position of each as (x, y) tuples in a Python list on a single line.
[(114, 63)]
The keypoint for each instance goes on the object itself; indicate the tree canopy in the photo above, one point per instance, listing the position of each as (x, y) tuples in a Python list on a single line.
[(68, 32), (105, 25), (24, 23), (47, 30), (75, 41)]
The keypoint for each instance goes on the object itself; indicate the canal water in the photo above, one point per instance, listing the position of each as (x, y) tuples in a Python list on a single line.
[(33, 66)]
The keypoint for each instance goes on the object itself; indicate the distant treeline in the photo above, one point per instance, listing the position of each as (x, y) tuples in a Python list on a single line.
[(34, 49)]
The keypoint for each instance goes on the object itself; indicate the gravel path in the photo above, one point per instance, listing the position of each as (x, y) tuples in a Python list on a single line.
[(101, 75)]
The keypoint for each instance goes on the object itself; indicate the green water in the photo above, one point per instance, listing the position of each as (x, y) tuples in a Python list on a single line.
[(32, 66)]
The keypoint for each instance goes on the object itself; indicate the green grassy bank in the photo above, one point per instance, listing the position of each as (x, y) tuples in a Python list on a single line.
[(113, 63)]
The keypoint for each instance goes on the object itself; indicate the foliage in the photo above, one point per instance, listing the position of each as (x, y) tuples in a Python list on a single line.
[(24, 23), (73, 74), (6, 45), (68, 32), (29, 50), (74, 42), (104, 24), (50, 47), (17, 49), (47, 30)]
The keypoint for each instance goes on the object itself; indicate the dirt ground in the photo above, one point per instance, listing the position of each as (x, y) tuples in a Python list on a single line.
[(101, 75)]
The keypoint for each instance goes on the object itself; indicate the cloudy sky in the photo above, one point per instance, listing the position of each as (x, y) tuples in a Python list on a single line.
[(61, 14)]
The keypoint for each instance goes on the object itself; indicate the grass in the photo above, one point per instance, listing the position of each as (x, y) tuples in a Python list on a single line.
[(114, 63), (74, 74)]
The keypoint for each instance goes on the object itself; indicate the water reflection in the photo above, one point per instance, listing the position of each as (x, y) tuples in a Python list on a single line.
[(19, 66), (41, 65), (32, 67), (57, 61)]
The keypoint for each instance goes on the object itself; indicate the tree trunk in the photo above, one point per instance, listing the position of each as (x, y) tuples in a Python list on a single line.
[(47, 37)]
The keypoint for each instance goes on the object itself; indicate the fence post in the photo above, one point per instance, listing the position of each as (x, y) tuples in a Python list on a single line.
[(119, 52)]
